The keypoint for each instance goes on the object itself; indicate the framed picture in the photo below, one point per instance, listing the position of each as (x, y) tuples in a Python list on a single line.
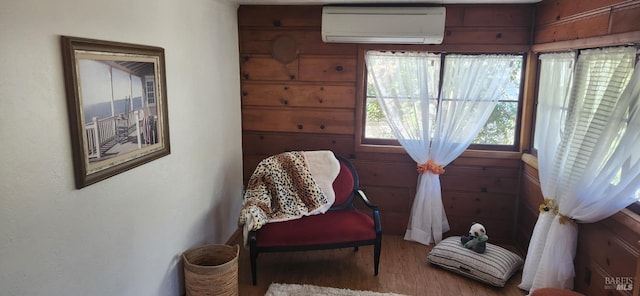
[(116, 95)]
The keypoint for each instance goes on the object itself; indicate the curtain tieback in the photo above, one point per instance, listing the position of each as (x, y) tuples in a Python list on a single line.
[(430, 166), (563, 218), (547, 206)]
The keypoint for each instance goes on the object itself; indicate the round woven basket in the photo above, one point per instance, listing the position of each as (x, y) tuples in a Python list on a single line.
[(211, 270)]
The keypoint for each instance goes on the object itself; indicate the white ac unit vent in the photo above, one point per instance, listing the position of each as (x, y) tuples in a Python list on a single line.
[(397, 25)]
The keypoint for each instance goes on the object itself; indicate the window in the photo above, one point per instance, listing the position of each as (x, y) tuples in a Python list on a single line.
[(501, 130), (585, 100), (151, 90), (554, 81)]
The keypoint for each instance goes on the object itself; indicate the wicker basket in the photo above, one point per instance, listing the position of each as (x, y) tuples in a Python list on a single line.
[(211, 270)]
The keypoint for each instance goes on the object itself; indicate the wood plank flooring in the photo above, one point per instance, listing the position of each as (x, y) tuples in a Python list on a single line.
[(403, 269)]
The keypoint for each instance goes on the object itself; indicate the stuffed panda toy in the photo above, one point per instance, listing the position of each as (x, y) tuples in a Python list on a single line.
[(477, 238)]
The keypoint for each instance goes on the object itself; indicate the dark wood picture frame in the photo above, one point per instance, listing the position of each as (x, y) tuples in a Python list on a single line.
[(117, 102)]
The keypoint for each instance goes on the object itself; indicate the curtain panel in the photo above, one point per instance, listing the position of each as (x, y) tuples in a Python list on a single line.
[(588, 170)]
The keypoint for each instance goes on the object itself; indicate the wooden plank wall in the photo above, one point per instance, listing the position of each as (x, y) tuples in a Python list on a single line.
[(561, 20), (528, 207), (299, 93), (608, 248)]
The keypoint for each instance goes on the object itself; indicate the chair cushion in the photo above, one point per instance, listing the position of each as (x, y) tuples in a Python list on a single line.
[(494, 267), (332, 227), (343, 185)]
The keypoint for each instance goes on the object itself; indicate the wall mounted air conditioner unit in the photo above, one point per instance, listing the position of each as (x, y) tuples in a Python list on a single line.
[(398, 25)]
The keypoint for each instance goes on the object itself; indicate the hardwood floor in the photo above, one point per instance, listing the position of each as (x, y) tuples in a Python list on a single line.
[(403, 269)]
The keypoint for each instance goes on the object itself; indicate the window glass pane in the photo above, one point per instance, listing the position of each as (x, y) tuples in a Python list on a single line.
[(405, 95), (376, 126), (556, 74), (500, 128)]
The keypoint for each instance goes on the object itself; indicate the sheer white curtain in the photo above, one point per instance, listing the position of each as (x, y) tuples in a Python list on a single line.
[(407, 91), (556, 73), (406, 85), (406, 88), (594, 166)]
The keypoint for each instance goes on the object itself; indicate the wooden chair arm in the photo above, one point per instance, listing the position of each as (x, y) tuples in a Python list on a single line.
[(376, 212), (366, 200)]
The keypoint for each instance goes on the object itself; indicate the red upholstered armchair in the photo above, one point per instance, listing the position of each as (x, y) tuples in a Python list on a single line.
[(341, 226)]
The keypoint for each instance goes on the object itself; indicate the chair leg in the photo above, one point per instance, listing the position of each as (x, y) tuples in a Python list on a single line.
[(253, 254), (356, 248), (376, 255)]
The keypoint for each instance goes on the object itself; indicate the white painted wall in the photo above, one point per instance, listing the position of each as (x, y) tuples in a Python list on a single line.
[(124, 235)]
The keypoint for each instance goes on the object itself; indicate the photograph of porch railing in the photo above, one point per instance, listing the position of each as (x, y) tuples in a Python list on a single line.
[(113, 135)]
